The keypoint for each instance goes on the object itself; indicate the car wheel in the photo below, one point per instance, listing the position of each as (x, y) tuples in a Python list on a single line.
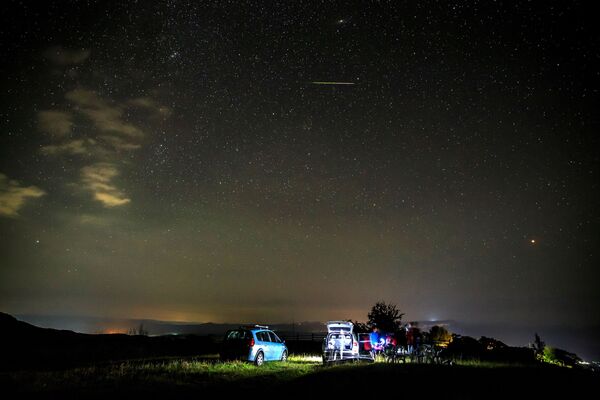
[(284, 356), (260, 359)]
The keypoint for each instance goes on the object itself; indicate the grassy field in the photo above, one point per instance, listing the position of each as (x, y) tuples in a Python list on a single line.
[(204, 371), (301, 375)]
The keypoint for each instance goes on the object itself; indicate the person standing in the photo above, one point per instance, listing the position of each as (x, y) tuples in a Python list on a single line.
[(410, 339)]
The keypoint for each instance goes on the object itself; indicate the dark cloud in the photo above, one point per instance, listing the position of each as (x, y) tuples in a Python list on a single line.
[(13, 196), (98, 179), (57, 124)]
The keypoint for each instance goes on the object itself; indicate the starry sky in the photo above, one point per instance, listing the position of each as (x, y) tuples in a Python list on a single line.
[(175, 160)]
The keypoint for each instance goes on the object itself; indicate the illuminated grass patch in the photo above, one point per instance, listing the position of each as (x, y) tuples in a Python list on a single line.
[(209, 371)]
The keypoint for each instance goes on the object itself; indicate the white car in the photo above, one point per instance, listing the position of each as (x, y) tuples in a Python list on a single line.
[(340, 344)]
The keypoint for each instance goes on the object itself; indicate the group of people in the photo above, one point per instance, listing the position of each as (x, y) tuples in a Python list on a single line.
[(408, 338)]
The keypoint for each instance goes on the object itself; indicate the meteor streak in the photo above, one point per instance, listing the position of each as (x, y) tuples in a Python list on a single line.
[(332, 83)]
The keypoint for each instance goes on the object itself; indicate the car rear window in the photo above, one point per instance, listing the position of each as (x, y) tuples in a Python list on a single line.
[(263, 336), (274, 337)]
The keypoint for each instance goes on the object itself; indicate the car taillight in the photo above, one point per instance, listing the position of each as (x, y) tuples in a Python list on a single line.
[(251, 342)]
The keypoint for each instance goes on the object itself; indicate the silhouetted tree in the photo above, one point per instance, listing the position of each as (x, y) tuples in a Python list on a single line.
[(440, 336), (538, 345), (491, 343), (142, 331), (464, 347), (139, 332), (560, 357), (360, 327), (386, 316)]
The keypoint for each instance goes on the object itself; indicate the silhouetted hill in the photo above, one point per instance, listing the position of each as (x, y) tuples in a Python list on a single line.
[(13, 329), (86, 324), (24, 346)]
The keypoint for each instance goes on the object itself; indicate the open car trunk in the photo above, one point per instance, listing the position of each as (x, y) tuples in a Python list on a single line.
[(339, 327), (340, 343)]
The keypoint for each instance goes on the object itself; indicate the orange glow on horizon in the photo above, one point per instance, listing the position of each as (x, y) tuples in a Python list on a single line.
[(112, 331)]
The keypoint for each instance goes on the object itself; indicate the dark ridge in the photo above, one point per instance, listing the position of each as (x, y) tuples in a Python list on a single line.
[(27, 347)]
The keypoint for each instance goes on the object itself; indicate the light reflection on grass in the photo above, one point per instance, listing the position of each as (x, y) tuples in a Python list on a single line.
[(205, 371), (181, 371), (305, 358)]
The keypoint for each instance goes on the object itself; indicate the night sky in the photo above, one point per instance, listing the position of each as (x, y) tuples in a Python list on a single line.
[(176, 161)]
